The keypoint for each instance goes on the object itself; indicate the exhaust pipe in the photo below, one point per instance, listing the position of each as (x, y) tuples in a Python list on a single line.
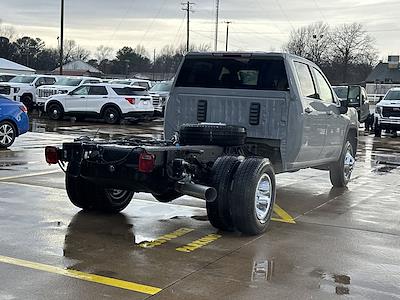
[(196, 190)]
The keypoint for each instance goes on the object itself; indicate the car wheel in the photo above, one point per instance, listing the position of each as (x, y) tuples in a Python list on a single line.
[(55, 111), (7, 134), (219, 211), (28, 102), (253, 196), (111, 115), (340, 172)]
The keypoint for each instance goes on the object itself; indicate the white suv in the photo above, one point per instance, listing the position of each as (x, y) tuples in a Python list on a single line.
[(23, 88), (112, 102), (63, 85)]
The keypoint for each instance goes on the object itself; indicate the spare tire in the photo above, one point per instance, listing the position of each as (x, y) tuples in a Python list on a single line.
[(212, 134)]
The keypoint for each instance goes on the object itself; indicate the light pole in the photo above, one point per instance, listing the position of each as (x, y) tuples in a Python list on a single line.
[(62, 38), (227, 34)]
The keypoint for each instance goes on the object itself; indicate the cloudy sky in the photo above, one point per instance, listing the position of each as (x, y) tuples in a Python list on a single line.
[(256, 24)]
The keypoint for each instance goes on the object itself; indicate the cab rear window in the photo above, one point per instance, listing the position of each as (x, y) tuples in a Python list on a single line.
[(233, 73), (128, 91)]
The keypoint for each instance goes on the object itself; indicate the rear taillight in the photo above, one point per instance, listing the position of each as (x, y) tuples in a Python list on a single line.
[(51, 154), (23, 108), (131, 100), (147, 162)]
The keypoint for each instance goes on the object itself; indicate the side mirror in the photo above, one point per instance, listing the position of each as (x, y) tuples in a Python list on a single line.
[(70, 93), (354, 96), (344, 106)]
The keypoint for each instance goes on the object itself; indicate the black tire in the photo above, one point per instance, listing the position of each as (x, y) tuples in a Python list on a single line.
[(55, 111), (212, 134), (167, 196), (250, 174), (27, 100), (377, 131), (7, 134), (219, 211), (89, 196), (340, 171), (111, 115)]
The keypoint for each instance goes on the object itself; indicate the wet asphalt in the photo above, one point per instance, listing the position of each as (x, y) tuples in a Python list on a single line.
[(324, 243)]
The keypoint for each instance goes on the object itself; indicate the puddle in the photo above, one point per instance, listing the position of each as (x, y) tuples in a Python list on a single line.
[(338, 284)]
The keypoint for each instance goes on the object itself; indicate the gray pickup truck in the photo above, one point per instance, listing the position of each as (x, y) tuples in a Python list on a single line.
[(233, 120)]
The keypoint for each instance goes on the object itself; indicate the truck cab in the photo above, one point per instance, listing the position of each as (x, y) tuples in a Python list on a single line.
[(285, 102)]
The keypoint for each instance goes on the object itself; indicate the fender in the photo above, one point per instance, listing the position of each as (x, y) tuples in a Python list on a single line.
[(110, 104), (51, 102)]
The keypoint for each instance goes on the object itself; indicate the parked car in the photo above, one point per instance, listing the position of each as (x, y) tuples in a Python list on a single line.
[(63, 85), (233, 120), (387, 112), (112, 102), (5, 77), (356, 94), (23, 88), (160, 93), (138, 82), (14, 121)]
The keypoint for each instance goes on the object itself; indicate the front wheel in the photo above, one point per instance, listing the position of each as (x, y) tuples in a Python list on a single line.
[(7, 134), (340, 171), (253, 196)]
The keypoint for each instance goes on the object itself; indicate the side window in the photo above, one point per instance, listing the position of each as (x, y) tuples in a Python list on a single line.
[(40, 81), (306, 81), (50, 80), (81, 91), (98, 90), (325, 92)]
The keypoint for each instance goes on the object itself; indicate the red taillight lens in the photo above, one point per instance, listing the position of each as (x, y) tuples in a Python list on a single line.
[(23, 108), (51, 154), (147, 162), (131, 100)]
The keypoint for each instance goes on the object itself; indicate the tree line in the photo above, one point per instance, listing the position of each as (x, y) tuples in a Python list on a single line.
[(346, 53)]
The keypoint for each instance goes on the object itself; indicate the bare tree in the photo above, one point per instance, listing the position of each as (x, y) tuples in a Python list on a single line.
[(80, 53), (7, 31), (72, 51), (312, 42), (352, 45), (103, 53), (141, 50)]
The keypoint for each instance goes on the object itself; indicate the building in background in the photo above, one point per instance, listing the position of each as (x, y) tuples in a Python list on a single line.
[(8, 66), (79, 68)]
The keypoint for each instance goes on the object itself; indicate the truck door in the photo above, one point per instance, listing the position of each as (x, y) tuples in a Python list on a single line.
[(336, 124), (313, 117)]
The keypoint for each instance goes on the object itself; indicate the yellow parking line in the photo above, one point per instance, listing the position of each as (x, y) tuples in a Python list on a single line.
[(285, 217), (122, 284), (165, 238), (205, 240), (29, 175)]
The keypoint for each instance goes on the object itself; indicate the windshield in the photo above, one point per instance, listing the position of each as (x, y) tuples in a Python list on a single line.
[(341, 91), (69, 81), (234, 73), (162, 87), (392, 95), (23, 79), (127, 82), (128, 91)]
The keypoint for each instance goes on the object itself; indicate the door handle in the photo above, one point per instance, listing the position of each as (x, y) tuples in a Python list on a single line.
[(308, 110), (82, 97), (329, 113), (105, 97)]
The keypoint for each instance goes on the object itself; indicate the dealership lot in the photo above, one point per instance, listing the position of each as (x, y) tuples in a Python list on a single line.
[(322, 243)]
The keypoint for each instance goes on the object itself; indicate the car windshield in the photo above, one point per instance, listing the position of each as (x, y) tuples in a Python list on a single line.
[(69, 81), (341, 91), (128, 91), (162, 87), (393, 95), (127, 82), (234, 73), (23, 79)]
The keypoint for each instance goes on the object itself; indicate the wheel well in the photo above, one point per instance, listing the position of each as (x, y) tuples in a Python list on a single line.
[(53, 102), (353, 138), (107, 105), (27, 94)]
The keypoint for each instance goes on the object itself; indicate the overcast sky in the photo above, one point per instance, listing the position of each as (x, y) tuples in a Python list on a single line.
[(256, 24)]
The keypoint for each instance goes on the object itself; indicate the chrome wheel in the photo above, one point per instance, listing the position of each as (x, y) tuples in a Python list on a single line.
[(263, 198), (7, 134), (117, 196), (349, 162)]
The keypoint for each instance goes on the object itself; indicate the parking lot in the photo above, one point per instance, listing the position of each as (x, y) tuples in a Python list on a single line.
[(323, 242)]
